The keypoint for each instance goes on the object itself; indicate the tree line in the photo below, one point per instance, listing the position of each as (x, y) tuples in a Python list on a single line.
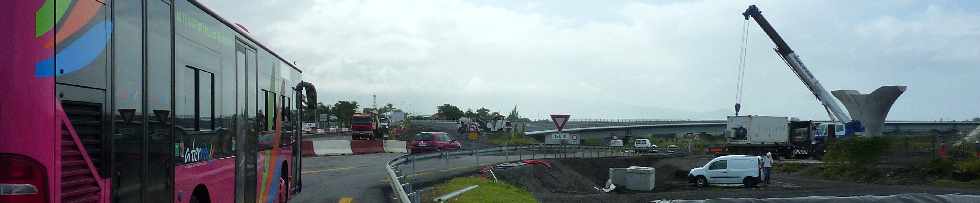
[(452, 112), (344, 110)]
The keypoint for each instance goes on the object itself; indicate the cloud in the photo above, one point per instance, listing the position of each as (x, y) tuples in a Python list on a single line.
[(625, 60)]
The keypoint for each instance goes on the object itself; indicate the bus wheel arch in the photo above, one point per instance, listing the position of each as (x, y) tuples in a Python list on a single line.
[(200, 195)]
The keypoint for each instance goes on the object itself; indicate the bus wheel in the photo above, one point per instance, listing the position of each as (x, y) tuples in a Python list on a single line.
[(283, 191), (200, 195)]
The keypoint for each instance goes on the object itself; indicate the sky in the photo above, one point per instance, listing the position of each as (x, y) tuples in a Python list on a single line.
[(623, 59)]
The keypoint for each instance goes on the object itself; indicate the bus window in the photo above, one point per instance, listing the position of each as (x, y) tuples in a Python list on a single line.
[(195, 103), (205, 101), (158, 95), (197, 138), (128, 134), (185, 98)]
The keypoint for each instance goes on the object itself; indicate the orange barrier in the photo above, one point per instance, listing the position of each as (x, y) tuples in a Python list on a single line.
[(366, 146), (307, 147)]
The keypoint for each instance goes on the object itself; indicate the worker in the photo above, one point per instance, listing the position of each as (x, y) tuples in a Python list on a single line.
[(767, 166)]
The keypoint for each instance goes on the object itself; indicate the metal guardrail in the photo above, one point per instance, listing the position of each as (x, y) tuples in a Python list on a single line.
[(618, 127), (398, 183)]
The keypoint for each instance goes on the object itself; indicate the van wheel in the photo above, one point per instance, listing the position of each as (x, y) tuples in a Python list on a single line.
[(701, 182), (749, 182)]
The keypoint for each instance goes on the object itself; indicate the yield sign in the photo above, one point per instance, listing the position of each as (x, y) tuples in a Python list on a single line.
[(559, 121)]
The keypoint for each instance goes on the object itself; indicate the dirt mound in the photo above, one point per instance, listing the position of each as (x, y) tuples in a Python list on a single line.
[(579, 176), (671, 171), (571, 180), (536, 178)]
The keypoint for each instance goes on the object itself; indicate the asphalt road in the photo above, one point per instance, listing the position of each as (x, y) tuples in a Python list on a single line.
[(338, 178), (361, 178)]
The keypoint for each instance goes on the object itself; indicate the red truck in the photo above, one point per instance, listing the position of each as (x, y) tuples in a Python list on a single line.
[(363, 126)]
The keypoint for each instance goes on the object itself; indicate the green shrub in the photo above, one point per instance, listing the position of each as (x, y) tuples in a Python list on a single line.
[(855, 158), (857, 151), (940, 167), (507, 139), (971, 166), (592, 142)]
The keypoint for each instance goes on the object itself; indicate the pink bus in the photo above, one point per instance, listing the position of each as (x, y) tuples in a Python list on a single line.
[(143, 101)]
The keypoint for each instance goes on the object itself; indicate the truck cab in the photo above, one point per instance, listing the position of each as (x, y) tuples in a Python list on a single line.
[(363, 126)]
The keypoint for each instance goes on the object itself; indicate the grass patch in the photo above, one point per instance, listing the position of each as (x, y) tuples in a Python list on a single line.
[(507, 139), (788, 167), (855, 159), (592, 142), (975, 184), (487, 192)]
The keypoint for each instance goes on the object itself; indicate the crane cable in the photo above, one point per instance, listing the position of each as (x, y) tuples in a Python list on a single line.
[(742, 61)]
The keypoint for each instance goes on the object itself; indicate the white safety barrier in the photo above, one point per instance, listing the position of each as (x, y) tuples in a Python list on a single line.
[(331, 147), (396, 146)]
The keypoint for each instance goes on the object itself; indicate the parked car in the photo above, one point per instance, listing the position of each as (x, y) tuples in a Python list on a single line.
[(644, 145), (726, 170), (433, 142), (673, 148)]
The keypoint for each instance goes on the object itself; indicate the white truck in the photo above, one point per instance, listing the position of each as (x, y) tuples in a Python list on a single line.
[(757, 129), (783, 137)]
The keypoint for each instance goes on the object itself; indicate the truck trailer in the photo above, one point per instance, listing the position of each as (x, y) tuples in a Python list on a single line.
[(781, 136)]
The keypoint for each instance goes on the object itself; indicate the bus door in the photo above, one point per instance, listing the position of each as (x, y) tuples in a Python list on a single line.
[(245, 163), (298, 141)]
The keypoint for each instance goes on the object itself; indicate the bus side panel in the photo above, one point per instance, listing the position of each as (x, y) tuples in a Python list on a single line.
[(271, 164), (218, 176), (205, 105), (274, 159), (27, 110)]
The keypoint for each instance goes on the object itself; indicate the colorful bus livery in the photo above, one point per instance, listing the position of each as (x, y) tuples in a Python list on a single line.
[(143, 101)]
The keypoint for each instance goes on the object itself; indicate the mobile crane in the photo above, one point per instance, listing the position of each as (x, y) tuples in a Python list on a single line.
[(834, 109)]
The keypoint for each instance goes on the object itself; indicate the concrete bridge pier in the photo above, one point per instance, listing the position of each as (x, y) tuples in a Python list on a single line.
[(870, 109)]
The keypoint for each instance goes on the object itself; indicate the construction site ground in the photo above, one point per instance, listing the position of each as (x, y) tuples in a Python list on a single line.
[(576, 179)]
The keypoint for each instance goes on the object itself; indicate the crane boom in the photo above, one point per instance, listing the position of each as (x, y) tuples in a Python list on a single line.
[(793, 61)]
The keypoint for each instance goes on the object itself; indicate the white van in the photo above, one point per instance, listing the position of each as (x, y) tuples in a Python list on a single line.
[(644, 145), (727, 170)]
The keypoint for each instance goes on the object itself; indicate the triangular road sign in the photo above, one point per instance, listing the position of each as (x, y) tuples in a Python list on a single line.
[(559, 121)]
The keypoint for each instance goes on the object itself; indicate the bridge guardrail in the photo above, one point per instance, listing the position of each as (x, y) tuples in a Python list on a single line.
[(398, 183)]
